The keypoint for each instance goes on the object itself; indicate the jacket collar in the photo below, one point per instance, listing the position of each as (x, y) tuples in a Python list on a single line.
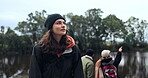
[(89, 57)]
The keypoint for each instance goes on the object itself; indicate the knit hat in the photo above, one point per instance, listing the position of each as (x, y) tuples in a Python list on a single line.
[(89, 52), (51, 19), (105, 53)]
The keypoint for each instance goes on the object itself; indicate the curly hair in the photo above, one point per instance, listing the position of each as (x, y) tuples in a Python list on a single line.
[(49, 44)]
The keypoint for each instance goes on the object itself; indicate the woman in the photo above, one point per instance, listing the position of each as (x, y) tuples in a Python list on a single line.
[(56, 56), (109, 67)]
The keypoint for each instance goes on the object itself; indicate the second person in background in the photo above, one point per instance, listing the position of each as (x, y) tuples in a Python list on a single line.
[(108, 65), (88, 65)]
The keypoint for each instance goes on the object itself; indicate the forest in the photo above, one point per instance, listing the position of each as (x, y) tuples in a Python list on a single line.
[(89, 31)]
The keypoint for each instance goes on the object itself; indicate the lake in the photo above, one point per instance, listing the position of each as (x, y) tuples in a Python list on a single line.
[(132, 65)]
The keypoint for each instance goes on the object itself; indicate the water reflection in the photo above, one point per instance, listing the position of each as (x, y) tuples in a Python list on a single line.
[(13, 65), (133, 65)]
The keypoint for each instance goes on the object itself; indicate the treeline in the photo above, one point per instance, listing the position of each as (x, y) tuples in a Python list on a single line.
[(89, 31)]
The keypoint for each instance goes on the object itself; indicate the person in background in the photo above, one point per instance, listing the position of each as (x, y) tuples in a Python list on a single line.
[(106, 62), (88, 65), (56, 55)]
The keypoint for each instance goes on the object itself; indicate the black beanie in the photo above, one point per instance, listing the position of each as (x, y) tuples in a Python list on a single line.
[(89, 52), (51, 19)]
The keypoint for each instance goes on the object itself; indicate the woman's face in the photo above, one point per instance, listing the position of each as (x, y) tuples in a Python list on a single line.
[(59, 27)]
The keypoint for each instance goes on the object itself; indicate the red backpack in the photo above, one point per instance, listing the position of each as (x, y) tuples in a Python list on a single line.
[(109, 70)]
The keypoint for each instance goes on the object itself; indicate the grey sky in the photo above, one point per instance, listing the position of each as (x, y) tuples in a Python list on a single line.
[(14, 11)]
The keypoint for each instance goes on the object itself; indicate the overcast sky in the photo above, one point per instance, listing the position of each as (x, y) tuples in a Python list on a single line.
[(14, 11)]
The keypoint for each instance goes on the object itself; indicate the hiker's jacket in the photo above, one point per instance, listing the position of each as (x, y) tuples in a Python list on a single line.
[(88, 66), (48, 65)]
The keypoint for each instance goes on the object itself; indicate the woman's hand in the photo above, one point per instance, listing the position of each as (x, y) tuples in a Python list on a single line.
[(120, 49)]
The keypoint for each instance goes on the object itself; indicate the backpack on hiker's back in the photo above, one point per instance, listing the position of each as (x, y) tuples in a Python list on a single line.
[(109, 70)]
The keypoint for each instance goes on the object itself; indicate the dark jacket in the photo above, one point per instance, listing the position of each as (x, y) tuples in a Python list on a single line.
[(116, 61), (48, 65)]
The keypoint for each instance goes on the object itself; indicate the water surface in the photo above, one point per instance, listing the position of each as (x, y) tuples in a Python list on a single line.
[(132, 65)]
